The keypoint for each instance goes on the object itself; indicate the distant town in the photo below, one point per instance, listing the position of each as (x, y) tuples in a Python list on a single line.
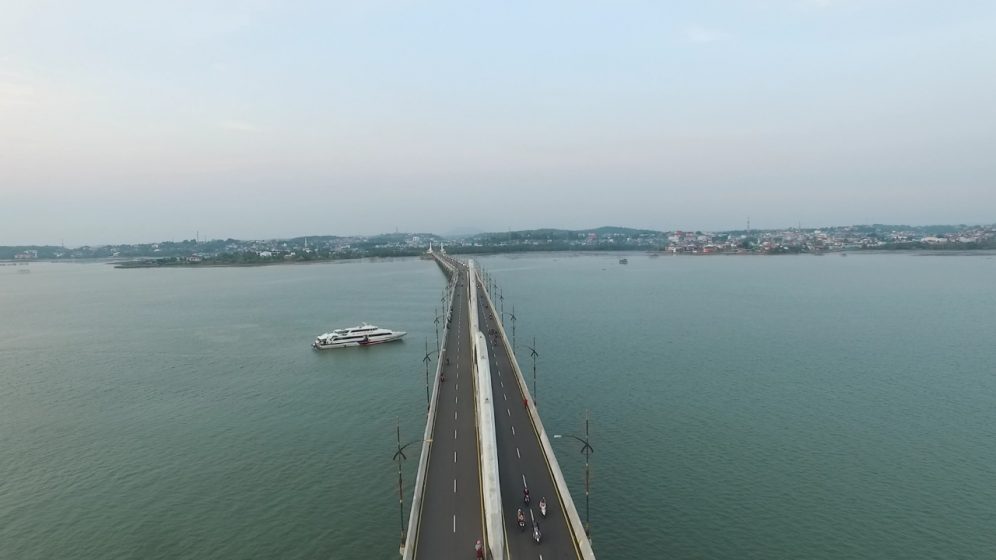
[(234, 252)]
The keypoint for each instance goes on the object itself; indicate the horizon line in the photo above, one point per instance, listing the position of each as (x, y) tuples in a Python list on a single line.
[(414, 233)]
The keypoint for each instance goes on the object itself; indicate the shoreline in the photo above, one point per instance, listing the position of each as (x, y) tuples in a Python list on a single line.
[(123, 264)]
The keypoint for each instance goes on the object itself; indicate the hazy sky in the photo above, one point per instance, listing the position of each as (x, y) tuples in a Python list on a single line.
[(129, 121)]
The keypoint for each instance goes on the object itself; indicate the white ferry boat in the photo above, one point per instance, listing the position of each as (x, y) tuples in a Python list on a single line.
[(363, 335)]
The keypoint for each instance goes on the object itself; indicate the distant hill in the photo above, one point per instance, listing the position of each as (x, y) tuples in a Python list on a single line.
[(548, 239), (462, 232), (552, 233), (922, 230), (43, 251), (614, 230), (401, 237), (314, 239)]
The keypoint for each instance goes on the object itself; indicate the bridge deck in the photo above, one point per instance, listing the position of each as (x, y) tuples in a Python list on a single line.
[(521, 460), (451, 515)]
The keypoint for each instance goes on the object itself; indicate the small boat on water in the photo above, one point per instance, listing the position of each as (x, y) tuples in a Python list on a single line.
[(363, 335), (623, 261)]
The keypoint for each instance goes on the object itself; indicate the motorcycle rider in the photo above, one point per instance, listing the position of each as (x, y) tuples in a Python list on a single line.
[(520, 518), (479, 549), (542, 504)]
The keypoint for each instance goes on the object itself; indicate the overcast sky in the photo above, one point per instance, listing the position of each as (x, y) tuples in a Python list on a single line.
[(131, 121)]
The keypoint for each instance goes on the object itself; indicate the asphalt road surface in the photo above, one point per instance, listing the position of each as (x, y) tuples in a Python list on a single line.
[(521, 462), (451, 517)]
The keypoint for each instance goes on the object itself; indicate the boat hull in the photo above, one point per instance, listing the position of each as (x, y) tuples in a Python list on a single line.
[(379, 340)]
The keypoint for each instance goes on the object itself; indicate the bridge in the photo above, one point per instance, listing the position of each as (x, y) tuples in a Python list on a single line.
[(484, 444)]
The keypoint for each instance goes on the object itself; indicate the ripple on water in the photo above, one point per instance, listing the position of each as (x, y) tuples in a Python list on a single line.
[(741, 408)]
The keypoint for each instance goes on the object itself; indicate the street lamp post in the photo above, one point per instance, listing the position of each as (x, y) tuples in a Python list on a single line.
[(501, 300), (427, 359), (436, 322), (512, 317), (399, 456), (587, 450), (534, 354)]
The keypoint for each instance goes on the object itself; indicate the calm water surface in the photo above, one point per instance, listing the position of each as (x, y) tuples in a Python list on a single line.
[(742, 407)]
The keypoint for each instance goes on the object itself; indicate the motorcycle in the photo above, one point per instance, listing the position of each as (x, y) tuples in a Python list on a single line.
[(525, 496), (543, 507), (537, 536), (521, 519)]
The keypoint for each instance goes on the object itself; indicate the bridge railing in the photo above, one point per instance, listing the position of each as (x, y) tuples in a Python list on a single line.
[(577, 527), (423, 460)]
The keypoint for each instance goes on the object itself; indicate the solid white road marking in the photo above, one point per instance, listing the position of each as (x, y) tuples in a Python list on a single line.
[(456, 399), (454, 414), (454, 486), (509, 412), (454, 523), (454, 434), (513, 430), (454, 456), (504, 395), (517, 454), (524, 485)]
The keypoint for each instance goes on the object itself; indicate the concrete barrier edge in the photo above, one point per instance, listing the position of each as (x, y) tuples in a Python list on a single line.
[(565, 494), (423, 459)]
